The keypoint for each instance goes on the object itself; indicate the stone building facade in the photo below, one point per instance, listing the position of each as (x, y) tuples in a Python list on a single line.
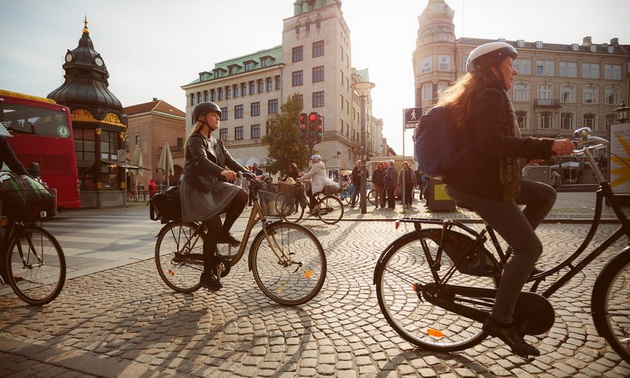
[(559, 88), (314, 60)]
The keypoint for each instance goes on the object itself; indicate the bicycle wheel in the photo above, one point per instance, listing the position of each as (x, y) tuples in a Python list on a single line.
[(298, 212), (179, 256), (331, 209), (344, 196), (289, 265), (609, 302), (400, 274), (36, 266), (371, 196)]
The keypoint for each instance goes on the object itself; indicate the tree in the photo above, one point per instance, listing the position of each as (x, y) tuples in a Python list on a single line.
[(283, 138)]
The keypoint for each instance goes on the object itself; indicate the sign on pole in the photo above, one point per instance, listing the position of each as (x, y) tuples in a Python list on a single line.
[(412, 117)]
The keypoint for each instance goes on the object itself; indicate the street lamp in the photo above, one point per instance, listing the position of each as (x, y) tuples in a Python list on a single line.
[(362, 89), (623, 113)]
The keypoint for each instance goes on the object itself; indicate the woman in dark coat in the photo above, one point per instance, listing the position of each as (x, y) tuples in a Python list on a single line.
[(488, 178), (206, 190)]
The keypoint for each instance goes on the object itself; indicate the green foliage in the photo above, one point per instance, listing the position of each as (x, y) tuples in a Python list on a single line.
[(283, 138)]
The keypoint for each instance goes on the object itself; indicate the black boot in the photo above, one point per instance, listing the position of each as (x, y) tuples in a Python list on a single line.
[(227, 238), (509, 335), (210, 281)]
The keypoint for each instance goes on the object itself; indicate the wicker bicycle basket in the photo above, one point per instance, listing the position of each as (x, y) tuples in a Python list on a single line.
[(276, 200)]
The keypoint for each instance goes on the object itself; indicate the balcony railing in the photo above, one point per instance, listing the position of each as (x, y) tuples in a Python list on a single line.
[(547, 103)]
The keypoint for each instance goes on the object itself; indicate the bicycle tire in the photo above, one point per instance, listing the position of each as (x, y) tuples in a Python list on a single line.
[(179, 256), (402, 266), (345, 197), (331, 209), (610, 306), (371, 196), (36, 265), (285, 280), (298, 212)]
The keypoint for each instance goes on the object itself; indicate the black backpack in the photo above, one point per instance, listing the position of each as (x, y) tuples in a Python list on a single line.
[(165, 206), (435, 144)]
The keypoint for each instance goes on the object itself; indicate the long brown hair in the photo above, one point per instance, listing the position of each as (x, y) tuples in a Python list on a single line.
[(460, 95)]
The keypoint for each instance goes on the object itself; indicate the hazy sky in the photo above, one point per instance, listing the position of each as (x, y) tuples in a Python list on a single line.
[(153, 47)]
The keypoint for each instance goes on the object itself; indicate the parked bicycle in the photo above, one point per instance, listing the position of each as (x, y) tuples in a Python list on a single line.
[(287, 260), (345, 194), (436, 285), (330, 206), (32, 260)]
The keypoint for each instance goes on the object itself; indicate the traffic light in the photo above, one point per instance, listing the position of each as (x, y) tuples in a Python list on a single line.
[(312, 127), (302, 125), (320, 128)]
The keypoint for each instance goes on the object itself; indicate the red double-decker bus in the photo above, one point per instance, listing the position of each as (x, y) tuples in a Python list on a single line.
[(42, 133)]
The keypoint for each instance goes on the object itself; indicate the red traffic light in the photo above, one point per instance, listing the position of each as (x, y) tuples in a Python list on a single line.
[(302, 117), (312, 117)]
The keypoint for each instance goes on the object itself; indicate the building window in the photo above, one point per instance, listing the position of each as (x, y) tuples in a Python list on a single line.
[(272, 106), (566, 121), (238, 111), (269, 84), (244, 89), (261, 86), (426, 65), (220, 90), (235, 89), (223, 134), (252, 88), (298, 54), (444, 63), (249, 66), (544, 68), (318, 74), (341, 102), (523, 66), (318, 99), (568, 69), (521, 91), (544, 91), (297, 78), (224, 114), (590, 70), (318, 49), (590, 94), (613, 95), (278, 83), (109, 154), (238, 133), (427, 92), (192, 99), (255, 109), (228, 92), (521, 119), (589, 121), (567, 94), (297, 29), (612, 72), (205, 96), (546, 120), (138, 140), (213, 94), (264, 62), (255, 131)]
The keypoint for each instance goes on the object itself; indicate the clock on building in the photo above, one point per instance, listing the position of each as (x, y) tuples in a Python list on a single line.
[(69, 57), (98, 61)]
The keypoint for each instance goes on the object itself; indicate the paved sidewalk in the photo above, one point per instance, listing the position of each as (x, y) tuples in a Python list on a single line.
[(122, 320)]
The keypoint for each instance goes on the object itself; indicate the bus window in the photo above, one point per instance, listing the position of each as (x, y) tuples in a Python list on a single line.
[(42, 132)]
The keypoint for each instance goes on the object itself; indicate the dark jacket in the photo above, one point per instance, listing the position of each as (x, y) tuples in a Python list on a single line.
[(356, 176), (204, 164), (377, 176), (478, 171)]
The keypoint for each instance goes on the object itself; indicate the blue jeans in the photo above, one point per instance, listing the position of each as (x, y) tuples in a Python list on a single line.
[(517, 227)]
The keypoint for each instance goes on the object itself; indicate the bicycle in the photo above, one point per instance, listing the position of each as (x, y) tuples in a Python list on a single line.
[(345, 194), (330, 210), (287, 260), (436, 284), (33, 262)]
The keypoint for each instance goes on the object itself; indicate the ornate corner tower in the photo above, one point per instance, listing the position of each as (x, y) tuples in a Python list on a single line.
[(434, 64), (98, 122)]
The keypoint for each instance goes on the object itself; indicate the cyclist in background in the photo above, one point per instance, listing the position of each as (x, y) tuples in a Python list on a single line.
[(488, 179), (317, 175)]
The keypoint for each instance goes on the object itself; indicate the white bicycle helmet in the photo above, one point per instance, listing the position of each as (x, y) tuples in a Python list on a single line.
[(316, 158), (489, 54)]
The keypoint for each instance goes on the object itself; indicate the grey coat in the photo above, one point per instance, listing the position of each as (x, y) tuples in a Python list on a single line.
[(204, 194)]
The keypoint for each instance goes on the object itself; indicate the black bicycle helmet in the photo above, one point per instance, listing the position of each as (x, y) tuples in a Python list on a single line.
[(204, 108), (489, 54)]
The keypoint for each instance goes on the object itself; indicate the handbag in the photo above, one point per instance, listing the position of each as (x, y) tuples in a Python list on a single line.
[(24, 198)]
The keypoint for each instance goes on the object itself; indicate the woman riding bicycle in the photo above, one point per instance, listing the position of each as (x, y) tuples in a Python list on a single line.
[(318, 177), (206, 191), (488, 178)]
